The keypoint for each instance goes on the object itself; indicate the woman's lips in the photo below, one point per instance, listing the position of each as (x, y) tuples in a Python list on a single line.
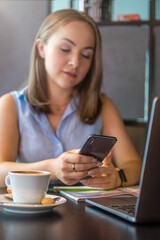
[(70, 74)]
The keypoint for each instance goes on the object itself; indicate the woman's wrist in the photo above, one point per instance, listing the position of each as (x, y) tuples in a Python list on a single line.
[(51, 166), (121, 177), (118, 179), (46, 165)]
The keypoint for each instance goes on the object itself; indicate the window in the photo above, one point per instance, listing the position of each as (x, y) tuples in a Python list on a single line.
[(157, 9), (121, 8), (62, 4)]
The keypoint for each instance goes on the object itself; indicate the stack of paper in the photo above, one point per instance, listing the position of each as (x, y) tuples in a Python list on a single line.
[(80, 193)]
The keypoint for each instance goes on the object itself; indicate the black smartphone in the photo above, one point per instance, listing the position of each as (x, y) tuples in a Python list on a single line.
[(98, 146)]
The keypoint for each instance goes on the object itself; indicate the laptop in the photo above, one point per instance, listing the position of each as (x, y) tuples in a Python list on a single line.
[(145, 207)]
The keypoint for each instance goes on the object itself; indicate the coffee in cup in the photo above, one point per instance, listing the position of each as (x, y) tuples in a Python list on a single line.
[(28, 186)]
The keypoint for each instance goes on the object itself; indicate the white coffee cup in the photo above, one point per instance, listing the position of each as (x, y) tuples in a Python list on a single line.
[(28, 186)]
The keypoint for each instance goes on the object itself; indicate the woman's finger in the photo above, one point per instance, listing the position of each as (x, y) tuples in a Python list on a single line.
[(107, 160), (107, 178), (99, 182), (101, 170), (73, 157), (75, 150), (78, 167)]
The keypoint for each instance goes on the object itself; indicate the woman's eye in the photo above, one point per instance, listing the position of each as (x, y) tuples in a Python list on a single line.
[(65, 49), (86, 56)]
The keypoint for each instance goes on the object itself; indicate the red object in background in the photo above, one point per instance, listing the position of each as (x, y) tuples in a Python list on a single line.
[(128, 17)]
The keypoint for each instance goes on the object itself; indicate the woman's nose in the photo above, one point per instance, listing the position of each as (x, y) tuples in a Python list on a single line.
[(74, 61)]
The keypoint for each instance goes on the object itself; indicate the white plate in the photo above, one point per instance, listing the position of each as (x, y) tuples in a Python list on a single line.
[(9, 206)]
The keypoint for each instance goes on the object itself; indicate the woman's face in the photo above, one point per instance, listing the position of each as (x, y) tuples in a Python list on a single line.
[(68, 54)]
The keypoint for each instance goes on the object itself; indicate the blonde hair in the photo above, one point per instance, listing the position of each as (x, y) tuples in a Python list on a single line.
[(88, 90)]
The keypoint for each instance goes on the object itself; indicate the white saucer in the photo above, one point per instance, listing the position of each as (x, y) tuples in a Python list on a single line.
[(9, 206)]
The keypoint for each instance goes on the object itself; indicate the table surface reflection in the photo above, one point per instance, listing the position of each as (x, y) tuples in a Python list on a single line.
[(73, 221)]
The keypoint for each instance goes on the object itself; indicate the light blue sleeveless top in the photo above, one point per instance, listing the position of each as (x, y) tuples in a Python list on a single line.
[(37, 139)]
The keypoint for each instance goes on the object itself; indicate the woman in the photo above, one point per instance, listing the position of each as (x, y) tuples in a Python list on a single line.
[(61, 106)]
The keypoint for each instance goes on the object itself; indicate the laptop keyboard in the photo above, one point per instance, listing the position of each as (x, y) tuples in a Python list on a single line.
[(125, 208)]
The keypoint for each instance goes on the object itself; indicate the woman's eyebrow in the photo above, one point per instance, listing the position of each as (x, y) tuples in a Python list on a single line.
[(70, 41)]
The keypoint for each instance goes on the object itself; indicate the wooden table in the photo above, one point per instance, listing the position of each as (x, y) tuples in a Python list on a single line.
[(73, 221)]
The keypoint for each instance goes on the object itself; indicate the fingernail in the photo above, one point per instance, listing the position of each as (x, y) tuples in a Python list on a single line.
[(94, 160), (99, 164), (91, 172), (83, 181)]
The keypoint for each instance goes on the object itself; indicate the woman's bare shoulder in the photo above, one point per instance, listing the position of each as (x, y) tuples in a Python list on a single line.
[(106, 101), (110, 114), (104, 98), (7, 103), (7, 99)]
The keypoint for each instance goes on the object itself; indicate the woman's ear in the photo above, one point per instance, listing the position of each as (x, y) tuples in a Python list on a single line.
[(40, 47)]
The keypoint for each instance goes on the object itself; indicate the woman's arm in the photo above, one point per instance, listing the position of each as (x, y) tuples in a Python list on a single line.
[(9, 133), (123, 154)]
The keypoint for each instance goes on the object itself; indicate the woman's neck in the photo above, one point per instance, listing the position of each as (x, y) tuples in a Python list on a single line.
[(59, 99)]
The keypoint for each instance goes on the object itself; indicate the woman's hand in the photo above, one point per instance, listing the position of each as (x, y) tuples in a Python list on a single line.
[(105, 177), (70, 167)]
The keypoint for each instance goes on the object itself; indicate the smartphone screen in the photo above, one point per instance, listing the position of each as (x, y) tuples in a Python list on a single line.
[(98, 146)]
